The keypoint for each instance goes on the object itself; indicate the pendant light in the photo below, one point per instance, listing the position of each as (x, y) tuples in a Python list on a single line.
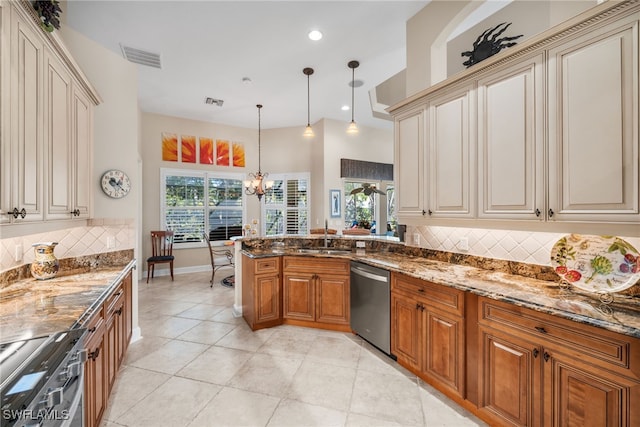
[(353, 128), (257, 183), (308, 131)]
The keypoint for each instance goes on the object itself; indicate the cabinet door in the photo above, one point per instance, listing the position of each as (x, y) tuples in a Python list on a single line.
[(593, 125), (509, 378), (95, 399), (410, 163), (450, 148), (82, 158), (299, 297), (511, 142), (332, 294), (27, 121), (58, 139), (406, 330), (444, 350), (267, 298), (113, 337), (582, 396)]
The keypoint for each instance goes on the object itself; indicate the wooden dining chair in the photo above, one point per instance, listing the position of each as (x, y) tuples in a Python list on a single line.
[(227, 253), (161, 251)]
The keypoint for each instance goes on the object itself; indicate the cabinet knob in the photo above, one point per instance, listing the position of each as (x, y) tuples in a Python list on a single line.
[(541, 329), (546, 356), (417, 306), (119, 311), (430, 212), (550, 212), (91, 330), (75, 212), (535, 353), (538, 212)]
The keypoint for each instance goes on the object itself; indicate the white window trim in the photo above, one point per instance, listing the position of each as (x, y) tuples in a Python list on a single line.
[(286, 176), (164, 172)]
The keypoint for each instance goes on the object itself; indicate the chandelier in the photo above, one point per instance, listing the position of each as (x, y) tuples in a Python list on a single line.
[(257, 184)]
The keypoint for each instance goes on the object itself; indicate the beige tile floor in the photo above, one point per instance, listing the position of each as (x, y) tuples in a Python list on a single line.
[(197, 365)]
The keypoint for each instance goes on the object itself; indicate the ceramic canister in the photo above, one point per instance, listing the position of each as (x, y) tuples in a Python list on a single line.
[(45, 265)]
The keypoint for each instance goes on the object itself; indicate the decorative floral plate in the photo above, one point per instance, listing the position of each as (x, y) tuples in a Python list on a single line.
[(599, 264)]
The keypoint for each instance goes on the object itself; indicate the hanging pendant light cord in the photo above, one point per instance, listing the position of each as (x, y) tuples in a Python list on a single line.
[(353, 74), (259, 107), (308, 103)]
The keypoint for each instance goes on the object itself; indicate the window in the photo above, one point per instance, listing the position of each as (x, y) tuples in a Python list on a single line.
[(366, 211), (195, 201), (286, 206)]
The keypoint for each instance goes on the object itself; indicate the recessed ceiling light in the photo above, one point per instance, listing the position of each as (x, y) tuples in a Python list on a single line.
[(246, 81), (345, 108), (315, 35)]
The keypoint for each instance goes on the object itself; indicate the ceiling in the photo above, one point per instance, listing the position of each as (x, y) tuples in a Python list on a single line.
[(208, 47)]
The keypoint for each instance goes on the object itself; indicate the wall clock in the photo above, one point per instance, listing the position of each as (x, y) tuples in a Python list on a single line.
[(115, 183)]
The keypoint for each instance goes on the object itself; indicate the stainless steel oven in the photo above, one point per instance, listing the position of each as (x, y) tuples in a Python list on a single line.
[(42, 381)]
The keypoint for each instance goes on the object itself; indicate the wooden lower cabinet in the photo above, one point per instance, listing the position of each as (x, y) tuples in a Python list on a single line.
[(95, 371), (538, 370), (261, 294), (316, 291), (108, 334), (427, 331)]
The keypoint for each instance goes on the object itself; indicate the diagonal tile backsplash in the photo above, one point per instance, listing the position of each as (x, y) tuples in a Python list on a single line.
[(98, 236), (532, 247)]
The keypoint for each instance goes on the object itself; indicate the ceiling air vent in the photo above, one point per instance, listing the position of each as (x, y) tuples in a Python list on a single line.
[(142, 57), (212, 101)]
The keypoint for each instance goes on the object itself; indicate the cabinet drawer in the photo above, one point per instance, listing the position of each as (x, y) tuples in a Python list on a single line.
[(440, 296), (267, 265), (95, 325), (316, 265), (113, 300), (585, 340)]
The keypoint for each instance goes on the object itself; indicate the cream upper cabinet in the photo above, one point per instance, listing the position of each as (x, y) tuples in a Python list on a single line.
[(593, 125), (450, 141), (409, 163), (58, 139), (23, 155), (511, 142), (82, 138), (46, 124)]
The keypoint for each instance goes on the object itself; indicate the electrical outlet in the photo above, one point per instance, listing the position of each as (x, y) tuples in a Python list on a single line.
[(360, 244), (416, 239), (111, 242), (18, 253), (463, 244)]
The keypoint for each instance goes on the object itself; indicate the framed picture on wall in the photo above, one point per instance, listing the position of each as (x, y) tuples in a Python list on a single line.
[(335, 203)]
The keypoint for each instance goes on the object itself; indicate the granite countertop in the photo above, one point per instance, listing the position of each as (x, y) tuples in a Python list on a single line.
[(622, 315), (33, 308)]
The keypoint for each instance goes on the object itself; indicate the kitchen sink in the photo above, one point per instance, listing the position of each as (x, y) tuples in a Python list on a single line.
[(323, 251)]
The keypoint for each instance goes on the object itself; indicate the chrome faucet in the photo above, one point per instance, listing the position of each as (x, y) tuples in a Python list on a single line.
[(326, 233)]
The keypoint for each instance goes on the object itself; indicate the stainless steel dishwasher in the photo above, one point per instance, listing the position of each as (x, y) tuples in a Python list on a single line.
[(371, 305)]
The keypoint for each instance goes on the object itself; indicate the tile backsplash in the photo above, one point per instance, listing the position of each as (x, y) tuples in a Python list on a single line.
[(531, 247), (98, 236)]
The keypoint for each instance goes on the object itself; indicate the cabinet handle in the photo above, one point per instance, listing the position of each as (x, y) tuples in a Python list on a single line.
[(417, 306), (423, 212), (541, 329), (421, 290), (535, 353), (92, 330), (17, 213), (538, 212), (94, 354), (119, 311), (75, 212), (430, 212), (422, 307), (546, 356), (550, 212)]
